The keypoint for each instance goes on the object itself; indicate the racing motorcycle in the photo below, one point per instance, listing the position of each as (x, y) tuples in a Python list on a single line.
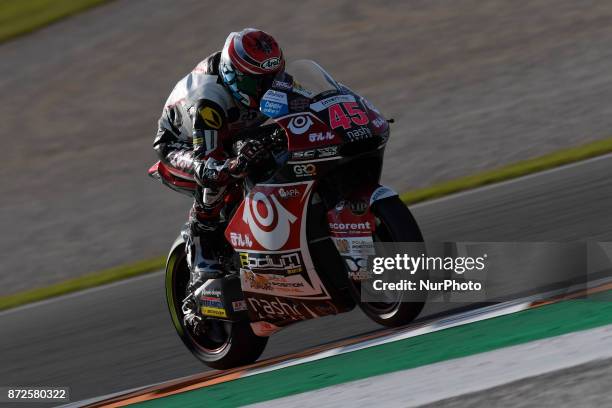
[(300, 228)]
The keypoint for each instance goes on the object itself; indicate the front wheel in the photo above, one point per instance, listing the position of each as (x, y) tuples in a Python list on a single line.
[(222, 344), (394, 223)]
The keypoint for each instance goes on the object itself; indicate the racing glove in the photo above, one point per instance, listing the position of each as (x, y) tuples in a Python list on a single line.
[(250, 154), (276, 141), (214, 173)]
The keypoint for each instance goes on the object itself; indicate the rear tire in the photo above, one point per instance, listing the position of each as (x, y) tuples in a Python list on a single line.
[(224, 344), (394, 223)]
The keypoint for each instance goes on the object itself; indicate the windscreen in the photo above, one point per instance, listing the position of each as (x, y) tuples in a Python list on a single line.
[(309, 76)]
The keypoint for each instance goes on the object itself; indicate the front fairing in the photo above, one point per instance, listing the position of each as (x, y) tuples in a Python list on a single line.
[(326, 123)]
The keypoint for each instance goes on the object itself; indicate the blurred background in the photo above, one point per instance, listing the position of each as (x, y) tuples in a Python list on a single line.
[(472, 85)]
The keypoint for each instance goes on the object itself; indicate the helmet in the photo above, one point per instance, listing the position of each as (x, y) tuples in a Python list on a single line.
[(249, 62)]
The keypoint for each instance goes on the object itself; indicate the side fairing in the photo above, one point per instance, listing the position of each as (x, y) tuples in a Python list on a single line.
[(277, 275)]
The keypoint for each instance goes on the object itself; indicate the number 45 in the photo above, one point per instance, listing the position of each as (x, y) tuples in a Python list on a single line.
[(338, 116)]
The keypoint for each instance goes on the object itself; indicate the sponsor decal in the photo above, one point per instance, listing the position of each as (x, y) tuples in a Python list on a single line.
[(358, 207), (356, 246), (274, 103), (343, 245), (288, 192), (321, 136), (333, 100), (299, 104), (239, 306), (355, 252), (360, 133), (269, 221), (264, 329), (256, 281), (289, 263), (212, 293), (283, 311), (276, 96), (360, 275), (271, 64), (211, 117), (282, 85), (305, 170), (300, 124), (304, 154), (275, 308), (273, 109), (362, 246), (379, 122), (213, 311), (211, 302), (273, 283), (351, 226), (357, 267), (327, 151), (315, 153), (239, 240)]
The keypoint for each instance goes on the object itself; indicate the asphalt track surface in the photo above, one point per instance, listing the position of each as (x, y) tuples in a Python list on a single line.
[(119, 336), (471, 84)]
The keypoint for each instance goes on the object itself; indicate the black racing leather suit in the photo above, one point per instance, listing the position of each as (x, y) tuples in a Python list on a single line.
[(195, 134)]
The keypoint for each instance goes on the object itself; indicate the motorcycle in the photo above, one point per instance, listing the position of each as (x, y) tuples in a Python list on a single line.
[(300, 229)]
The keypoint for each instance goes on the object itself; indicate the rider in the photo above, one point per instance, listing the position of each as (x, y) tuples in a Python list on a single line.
[(206, 108)]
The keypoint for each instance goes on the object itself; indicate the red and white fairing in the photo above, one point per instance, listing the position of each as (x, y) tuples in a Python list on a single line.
[(270, 218), (271, 223)]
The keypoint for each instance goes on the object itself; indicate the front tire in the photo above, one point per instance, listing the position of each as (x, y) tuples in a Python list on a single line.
[(394, 223), (224, 344)]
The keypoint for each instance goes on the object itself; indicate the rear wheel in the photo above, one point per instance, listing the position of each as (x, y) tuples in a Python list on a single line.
[(394, 223), (221, 344)]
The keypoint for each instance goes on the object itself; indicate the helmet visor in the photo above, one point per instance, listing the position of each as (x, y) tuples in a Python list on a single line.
[(254, 85)]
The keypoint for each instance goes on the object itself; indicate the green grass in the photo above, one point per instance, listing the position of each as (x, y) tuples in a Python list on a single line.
[(18, 17), (82, 282), (521, 168)]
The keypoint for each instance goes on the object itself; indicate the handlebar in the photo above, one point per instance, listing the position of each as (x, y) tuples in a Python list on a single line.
[(258, 133), (267, 134)]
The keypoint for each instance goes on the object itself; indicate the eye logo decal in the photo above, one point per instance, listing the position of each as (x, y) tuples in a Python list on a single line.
[(268, 220), (299, 125)]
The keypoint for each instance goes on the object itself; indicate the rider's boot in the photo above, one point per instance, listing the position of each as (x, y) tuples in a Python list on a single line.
[(202, 257), (202, 241)]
